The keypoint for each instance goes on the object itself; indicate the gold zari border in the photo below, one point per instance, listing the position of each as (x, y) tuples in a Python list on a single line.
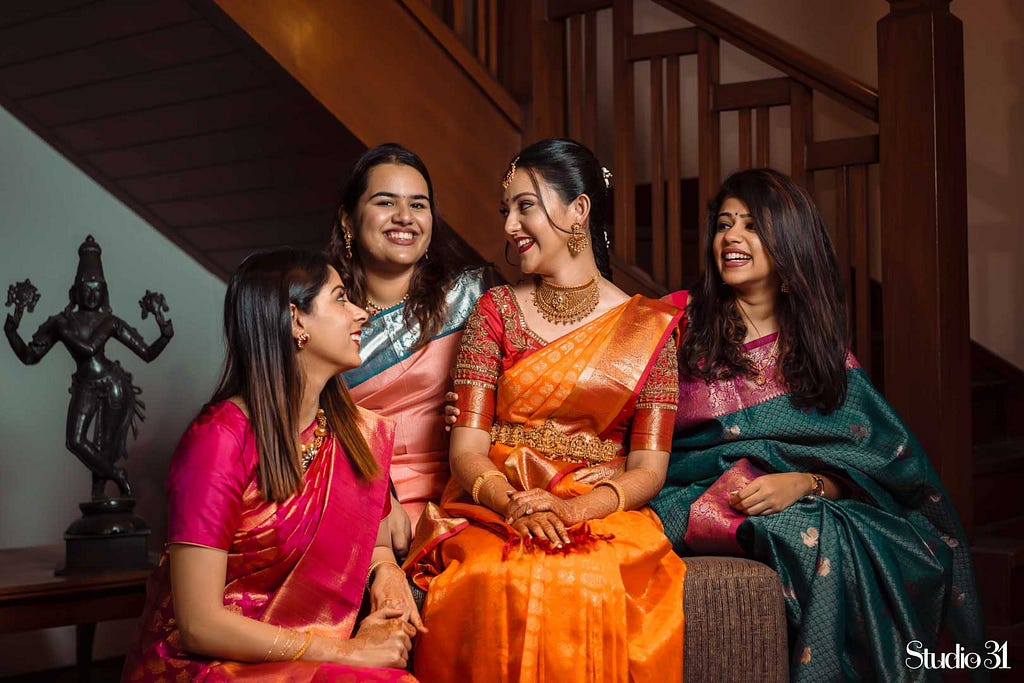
[(550, 441)]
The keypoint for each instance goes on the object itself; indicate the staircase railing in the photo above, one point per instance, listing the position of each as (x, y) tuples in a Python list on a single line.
[(924, 358)]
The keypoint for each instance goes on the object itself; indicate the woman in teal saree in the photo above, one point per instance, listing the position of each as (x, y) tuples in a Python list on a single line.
[(784, 452)]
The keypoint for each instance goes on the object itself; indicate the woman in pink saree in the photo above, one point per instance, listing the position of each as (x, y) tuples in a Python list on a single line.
[(276, 494)]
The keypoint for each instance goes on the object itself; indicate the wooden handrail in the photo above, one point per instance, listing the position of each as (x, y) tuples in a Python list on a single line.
[(785, 57)]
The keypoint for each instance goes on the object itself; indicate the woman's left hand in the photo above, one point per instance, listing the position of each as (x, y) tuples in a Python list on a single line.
[(771, 493), (523, 503), (545, 525), (390, 589)]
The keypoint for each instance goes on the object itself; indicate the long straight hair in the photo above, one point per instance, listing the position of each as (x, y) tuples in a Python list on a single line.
[(433, 274), (262, 367), (811, 309)]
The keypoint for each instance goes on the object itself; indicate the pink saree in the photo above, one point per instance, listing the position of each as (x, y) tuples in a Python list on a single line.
[(300, 563)]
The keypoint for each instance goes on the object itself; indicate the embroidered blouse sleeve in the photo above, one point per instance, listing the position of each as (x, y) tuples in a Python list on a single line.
[(478, 365), (205, 484), (656, 406)]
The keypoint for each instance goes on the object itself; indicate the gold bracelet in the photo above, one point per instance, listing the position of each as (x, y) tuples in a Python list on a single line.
[(479, 482), (375, 565), (274, 644), (302, 650), (619, 493)]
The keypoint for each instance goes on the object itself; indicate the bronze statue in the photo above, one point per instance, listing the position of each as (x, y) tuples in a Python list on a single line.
[(104, 402)]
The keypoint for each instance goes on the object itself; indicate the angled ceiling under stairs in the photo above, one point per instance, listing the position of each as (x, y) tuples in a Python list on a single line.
[(178, 113)]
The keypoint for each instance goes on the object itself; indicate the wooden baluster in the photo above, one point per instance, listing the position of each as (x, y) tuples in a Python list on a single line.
[(763, 155), (708, 128), (480, 30), (743, 122), (545, 117), (801, 133), (658, 253), (625, 125), (459, 24), (492, 37), (674, 173), (576, 93), (590, 78), (858, 207), (843, 238)]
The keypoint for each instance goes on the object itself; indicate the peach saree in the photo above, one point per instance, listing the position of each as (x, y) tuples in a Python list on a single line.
[(608, 607)]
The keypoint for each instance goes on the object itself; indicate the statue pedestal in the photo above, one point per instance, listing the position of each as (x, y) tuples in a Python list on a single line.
[(108, 537)]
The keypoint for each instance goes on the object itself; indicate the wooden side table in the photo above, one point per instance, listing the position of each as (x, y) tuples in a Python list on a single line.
[(31, 597)]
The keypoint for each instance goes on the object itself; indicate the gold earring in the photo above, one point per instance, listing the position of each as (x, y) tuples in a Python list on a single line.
[(577, 240), (348, 244), (302, 340)]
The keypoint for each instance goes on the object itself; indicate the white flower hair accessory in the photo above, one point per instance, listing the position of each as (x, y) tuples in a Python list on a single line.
[(607, 175)]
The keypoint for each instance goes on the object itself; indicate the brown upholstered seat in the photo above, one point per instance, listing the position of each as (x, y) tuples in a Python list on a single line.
[(735, 622)]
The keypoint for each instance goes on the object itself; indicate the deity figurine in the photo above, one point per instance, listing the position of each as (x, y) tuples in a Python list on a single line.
[(104, 403)]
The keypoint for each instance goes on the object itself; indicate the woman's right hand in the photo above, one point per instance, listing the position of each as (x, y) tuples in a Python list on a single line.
[(383, 640), (451, 413)]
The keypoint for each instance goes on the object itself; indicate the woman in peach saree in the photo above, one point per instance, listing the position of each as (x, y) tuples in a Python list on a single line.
[(542, 561)]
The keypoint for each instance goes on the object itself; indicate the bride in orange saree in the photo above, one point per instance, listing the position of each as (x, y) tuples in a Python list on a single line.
[(543, 561)]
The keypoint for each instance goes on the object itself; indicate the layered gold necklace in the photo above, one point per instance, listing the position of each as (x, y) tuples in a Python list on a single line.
[(565, 305)]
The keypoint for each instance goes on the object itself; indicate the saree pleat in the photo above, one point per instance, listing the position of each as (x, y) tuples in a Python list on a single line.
[(863, 575), (608, 607), (300, 563)]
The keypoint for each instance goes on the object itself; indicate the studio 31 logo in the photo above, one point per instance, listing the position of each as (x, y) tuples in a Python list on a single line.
[(994, 657)]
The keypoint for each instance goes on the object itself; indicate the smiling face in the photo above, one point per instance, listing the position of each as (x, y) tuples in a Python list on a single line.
[(334, 325), (740, 256), (541, 246), (392, 221)]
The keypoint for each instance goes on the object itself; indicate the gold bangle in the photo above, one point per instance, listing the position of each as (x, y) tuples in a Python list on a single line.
[(819, 486), (286, 647), (302, 650), (479, 482), (619, 493), (274, 644), (375, 565)]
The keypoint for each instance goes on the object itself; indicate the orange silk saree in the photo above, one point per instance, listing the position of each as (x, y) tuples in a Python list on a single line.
[(608, 607)]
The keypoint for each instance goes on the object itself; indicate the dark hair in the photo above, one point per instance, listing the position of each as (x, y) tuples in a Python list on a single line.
[(261, 366), (444, 259), (812, 315), (571, 170)]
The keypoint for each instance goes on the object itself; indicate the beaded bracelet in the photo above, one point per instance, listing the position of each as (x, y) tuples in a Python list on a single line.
[(302, 650), (479, 482), (617, 487)]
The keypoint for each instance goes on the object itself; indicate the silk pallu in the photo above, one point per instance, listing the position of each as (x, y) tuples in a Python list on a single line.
[(408, 384), (300, 563), (608, 606), (863, 575)]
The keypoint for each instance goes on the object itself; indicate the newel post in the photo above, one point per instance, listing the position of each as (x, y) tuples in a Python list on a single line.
[(924, 234)]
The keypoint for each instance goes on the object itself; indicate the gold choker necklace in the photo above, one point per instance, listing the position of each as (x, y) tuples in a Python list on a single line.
[(565, 305), (374, 308)]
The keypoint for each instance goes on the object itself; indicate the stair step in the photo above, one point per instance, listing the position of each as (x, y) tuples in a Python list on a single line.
[(999, 564), (998, 477)]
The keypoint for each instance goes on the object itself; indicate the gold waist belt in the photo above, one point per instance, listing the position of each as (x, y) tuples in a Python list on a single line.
[(554, 443)]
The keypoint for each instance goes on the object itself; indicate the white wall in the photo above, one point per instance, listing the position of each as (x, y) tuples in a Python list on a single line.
[(47, 207)]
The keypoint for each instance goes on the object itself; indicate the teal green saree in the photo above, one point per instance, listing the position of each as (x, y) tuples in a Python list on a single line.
[(862, 576)]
